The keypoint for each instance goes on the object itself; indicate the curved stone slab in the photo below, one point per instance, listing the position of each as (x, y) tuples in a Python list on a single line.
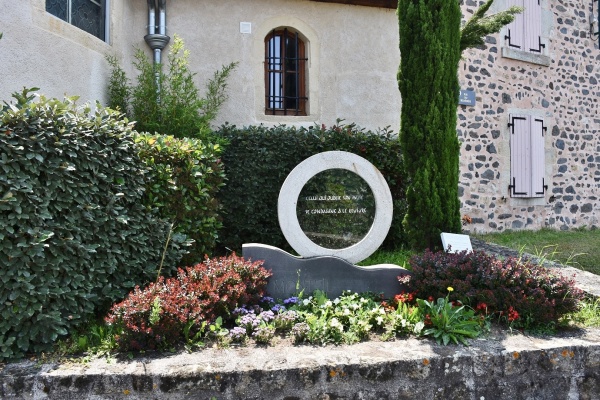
[(330, 274)]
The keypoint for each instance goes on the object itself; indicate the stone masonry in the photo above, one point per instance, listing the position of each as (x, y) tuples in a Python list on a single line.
[(560, 86)]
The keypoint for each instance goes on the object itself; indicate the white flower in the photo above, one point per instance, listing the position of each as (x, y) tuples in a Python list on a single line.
[(328, 304), (335, 324), (354, 306), (419, 327), (336, 301), (403, 323), (379, 320), (346, 311), (305, 302), (363, 300)]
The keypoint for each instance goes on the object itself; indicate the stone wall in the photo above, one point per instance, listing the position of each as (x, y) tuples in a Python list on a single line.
[(564, 93)]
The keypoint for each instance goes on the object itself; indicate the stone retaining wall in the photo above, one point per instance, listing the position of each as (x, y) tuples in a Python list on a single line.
[(497, 367)]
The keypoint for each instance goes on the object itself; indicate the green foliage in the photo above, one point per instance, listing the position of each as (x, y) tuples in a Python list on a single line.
[(481, 25), (258, 159), (174, 107), (449, 323), (186, 177), (588, 313), (428, 82), (74, 235), (119, 91), (347, 319)]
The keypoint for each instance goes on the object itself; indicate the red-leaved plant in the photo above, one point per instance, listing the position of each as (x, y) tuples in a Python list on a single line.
[(523, 294), (158, 315)]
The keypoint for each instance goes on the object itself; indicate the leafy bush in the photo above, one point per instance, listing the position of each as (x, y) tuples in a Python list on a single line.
[(258, 159), (74, 235), (523, 294), (165, 312), (175, 107), (448, 322), (187, 175)]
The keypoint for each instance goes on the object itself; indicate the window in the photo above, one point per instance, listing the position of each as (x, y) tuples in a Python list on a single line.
[(525, 32), (285, 73), (527, 156), (88, 15)]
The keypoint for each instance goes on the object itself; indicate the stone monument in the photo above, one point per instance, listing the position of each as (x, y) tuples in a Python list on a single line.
[(334, 209)]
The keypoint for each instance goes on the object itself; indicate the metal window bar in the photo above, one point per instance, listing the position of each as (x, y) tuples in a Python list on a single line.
[(280, 96)]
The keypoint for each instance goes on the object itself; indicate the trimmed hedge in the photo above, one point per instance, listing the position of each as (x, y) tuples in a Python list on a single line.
[(257, 160), (187, 174), (74, 233)]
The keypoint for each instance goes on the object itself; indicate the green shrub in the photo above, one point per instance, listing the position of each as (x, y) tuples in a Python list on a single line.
[(163, 313), (521, 294), (175, 107), (187, 175), (74, 234), (257, 160)]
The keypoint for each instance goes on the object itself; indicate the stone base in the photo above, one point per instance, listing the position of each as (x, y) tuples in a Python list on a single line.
[(332, 275)]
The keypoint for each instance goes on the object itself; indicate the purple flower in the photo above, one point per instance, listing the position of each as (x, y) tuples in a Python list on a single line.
[(240, 311), (249, 321), (237, 334), (278, 308), (266, 316), (291, 300), (267, 299)]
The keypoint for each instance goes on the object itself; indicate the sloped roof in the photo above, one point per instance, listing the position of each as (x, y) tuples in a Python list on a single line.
[(369, 3)]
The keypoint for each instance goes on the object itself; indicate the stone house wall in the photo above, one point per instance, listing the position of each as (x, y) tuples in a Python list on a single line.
[(563, 93)]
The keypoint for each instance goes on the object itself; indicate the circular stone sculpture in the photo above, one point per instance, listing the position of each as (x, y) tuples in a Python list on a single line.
[(293, 185)]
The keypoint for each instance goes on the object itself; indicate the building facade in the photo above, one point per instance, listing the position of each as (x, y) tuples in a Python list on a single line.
[(529, 126)]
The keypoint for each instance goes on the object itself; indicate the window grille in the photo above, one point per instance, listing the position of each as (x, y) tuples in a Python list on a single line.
[(88, 15), (285, 73)]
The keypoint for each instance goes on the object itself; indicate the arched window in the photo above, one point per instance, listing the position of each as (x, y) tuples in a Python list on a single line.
[(285, 73)]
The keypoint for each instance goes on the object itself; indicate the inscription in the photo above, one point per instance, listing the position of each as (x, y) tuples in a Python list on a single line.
[(336, 209)]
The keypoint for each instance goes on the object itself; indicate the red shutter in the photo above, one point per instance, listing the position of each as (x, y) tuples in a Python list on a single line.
[(515, 30), (533, 26), (538, 131)]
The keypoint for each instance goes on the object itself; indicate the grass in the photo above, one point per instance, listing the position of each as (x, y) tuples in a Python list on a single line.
[(396, 257), (576, 248)]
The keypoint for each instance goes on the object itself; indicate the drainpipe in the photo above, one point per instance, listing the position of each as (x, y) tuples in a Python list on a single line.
[(157, 38)]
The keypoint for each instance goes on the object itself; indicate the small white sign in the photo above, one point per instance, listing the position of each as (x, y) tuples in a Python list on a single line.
[(456, 242), (245, 27)]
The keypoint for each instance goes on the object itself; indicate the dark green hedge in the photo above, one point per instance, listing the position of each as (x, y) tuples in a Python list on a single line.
[(187, 174), (258, 159), (74, 233)]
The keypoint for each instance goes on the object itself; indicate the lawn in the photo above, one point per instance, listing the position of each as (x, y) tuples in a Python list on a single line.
[(577, 248)]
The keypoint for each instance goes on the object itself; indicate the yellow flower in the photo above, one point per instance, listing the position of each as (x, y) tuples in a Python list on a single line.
[(450, 289)]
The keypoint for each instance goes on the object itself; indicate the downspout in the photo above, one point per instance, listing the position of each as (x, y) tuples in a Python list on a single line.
[(157, 41)]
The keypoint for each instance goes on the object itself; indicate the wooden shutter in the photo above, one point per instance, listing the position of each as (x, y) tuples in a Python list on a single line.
[(515, 35), (533, 26), (527, 155), (538, 131), (520, 154)]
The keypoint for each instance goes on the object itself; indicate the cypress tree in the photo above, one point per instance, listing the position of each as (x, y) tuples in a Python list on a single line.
[(430, 50)]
